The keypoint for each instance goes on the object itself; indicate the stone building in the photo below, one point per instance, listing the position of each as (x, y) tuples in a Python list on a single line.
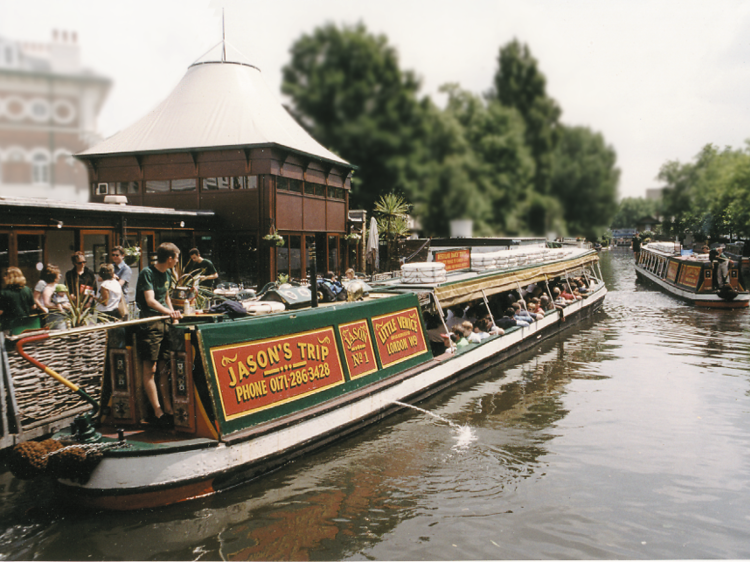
[(48, 110)]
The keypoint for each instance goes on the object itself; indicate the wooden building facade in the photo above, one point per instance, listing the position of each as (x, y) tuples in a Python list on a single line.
[(222, 143), (34, 232)]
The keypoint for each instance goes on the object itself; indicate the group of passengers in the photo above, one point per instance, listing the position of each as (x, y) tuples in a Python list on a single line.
[(55, 295), (473, 322)]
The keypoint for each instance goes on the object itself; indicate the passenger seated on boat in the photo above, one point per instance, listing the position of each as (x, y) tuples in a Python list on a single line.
[(455, 316), (582, 286), (525, 314), (534, 308), (507, 321), (481, 331), (332, 290), (475, 311), (567, 295), (560, 301), (435, 332), (545, 303), (350, 274), (458, 336)]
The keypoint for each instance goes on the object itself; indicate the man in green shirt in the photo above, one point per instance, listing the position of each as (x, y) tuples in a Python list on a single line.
[(152, 298), (208, 273)]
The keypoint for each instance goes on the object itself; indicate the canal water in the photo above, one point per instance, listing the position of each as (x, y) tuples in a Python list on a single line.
[(628, 436)]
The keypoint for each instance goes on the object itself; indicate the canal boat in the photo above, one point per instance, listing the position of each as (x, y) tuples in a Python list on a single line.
[(252, 393), (691, 277)]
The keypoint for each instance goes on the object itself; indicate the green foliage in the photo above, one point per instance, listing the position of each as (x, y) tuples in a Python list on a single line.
[(480, 167), (709, 196), (631, 210), (518, 83), (584, 179), (490, 159), (392, 211), (347, 88)]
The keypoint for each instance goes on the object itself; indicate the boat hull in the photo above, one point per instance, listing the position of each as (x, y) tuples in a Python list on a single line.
[(707, 300), (160, 477)]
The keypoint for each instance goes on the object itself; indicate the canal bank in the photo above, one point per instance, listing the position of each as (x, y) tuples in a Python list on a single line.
[(626, 438)]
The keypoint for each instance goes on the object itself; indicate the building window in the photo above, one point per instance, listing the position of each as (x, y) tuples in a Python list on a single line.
[(63, 111), (189, 184), (336, 193), (39, 110), (227, 183), (164, 186), (123, 187), (40, 168), (287, 184), (157, 186)]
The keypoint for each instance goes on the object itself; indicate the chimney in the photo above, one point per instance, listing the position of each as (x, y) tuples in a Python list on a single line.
[(65, 56)]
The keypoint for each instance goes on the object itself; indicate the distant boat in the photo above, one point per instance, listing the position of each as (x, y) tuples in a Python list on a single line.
[(690, 277)]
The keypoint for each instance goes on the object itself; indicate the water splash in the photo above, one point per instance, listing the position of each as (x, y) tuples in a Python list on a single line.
[(464, 433)]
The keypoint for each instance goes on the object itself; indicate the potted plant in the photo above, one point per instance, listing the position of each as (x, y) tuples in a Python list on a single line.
[(274, 238), (353, 238), (132, 255)]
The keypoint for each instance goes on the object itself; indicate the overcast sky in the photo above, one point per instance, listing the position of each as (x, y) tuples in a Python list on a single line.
[(659, 79)]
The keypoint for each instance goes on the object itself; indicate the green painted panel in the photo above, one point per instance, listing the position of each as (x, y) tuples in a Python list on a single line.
[(263, 368)]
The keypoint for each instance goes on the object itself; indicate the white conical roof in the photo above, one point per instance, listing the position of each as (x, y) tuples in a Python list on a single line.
[(215, 105)]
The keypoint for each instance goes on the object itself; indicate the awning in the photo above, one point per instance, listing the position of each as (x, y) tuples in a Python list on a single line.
[(471, 289)]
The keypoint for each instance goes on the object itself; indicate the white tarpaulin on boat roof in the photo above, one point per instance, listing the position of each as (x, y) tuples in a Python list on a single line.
[(471, 289), (215, 105)]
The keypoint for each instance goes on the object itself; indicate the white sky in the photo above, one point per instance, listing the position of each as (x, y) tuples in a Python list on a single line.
[(659, 79)]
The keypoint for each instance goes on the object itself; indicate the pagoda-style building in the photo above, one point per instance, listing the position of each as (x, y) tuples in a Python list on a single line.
[(222, 142)]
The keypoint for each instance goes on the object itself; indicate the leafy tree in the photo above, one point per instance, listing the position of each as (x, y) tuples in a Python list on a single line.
[(709, 196), (519, 83), (631, 210), (584, 179), (347, 89), (479, 166)]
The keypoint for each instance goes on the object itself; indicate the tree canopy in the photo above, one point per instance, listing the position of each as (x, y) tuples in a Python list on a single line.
[(488, 158), (631, 210), (348, 90), (709, 196)]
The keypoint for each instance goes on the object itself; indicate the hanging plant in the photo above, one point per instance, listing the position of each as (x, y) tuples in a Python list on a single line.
[(132, 255), (353, 238), (274, 238)]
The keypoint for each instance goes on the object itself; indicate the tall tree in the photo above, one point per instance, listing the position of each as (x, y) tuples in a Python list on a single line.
[(585, 179), (709, 196), (519, 83), (631, 210), (479, 166), (346, 87)]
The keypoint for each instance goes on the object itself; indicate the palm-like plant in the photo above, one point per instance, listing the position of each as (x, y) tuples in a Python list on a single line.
[(392, 211)]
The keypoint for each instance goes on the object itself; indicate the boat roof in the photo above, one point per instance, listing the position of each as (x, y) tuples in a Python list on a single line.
[(216, 105), (471, 285)]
